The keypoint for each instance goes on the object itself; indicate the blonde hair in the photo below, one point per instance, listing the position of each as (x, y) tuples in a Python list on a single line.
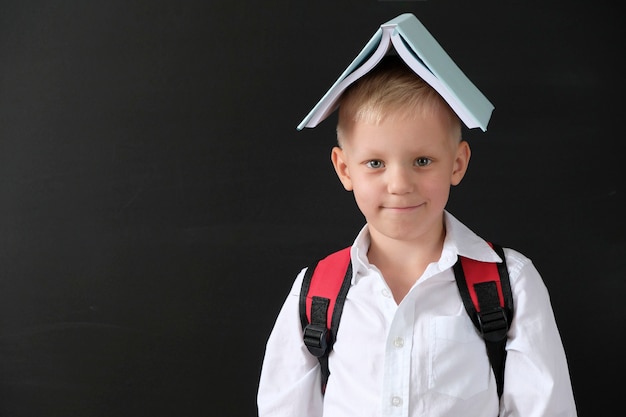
[(391, 89)]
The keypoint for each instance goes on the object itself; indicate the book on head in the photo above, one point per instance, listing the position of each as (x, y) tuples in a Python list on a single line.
[(406, 36)]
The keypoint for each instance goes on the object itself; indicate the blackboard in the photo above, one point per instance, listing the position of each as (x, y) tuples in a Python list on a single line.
[(156, 200)]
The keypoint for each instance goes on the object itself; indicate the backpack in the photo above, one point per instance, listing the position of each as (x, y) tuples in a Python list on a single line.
[(484, 288)]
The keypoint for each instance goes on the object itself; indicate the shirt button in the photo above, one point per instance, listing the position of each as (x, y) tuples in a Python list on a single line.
[(398, 342), (386, 293), (396, 401)]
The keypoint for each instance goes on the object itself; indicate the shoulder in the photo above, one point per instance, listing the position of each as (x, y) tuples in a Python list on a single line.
[(523, 275), (297, 282), (516, 261)]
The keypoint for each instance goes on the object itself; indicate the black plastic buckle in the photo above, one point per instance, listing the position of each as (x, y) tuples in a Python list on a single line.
[(493, 324), (316, 339)]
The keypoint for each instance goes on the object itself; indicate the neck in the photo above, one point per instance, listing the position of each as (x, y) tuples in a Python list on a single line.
[(403, 251), (402, 262)]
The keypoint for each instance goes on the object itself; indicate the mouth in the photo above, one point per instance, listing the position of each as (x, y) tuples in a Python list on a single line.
[(403, 208)]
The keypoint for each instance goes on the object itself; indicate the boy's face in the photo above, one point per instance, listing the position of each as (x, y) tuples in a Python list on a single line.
[(400, 172)]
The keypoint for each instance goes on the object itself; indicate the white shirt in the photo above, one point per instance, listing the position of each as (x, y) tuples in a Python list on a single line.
[(422, 357)]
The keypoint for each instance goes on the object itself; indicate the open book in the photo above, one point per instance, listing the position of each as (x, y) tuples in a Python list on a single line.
[(406, 36)]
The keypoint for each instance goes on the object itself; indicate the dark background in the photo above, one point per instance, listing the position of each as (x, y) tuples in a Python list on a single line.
[(156, 200)]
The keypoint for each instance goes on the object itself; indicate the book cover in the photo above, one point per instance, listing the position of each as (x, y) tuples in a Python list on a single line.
[(406, 36)]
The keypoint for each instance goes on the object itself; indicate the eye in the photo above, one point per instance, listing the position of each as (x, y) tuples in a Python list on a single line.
[(374, 163), (423, 161)]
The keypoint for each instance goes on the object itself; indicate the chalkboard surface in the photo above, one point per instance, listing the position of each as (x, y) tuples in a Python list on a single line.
[(156, 200)]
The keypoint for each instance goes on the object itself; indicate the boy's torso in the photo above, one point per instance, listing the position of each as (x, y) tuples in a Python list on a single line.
[(429, 344)]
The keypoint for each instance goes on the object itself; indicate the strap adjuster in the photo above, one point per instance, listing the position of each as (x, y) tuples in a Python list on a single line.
[(493, 324), (316, 339)]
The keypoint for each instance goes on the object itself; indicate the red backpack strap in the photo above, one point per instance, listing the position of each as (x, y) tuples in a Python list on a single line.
[(322, 295), (486, 293)]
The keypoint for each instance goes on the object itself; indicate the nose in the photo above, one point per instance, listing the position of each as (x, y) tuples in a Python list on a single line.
[(399, 180)]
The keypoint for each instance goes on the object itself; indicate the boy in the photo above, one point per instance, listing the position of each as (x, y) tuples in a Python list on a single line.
[(406, 346)]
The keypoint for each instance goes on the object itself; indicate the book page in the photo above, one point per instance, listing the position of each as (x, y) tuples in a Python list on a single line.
[(461, 94), (362, 64), (418, 66)]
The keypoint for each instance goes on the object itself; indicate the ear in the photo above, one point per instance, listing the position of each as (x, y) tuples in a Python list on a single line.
[(461, 162), (338, 158)]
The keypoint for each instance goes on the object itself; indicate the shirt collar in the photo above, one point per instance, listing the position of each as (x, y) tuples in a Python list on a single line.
[(459, 241)]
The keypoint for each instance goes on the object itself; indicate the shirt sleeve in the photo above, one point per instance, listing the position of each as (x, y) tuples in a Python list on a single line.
[(290, 382), (537, 381)]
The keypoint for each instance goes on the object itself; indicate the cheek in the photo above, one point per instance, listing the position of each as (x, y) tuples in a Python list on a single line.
[(365, 195), (438, 189), (433, 185)]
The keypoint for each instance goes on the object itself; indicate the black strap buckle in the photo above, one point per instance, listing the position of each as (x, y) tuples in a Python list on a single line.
[(316, 339), (493, 324)]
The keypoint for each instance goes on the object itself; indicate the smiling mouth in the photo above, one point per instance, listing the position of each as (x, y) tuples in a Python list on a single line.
[(402, 208)]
